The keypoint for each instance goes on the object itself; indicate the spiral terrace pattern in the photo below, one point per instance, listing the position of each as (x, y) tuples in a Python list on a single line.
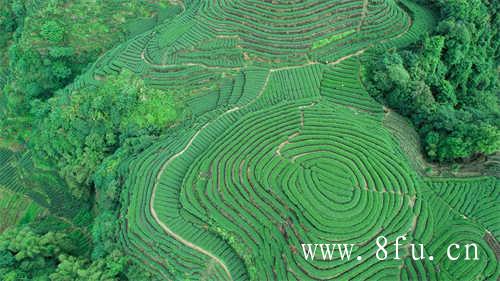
[(285, 147), (290, 167), (281, 32), (324, 187)]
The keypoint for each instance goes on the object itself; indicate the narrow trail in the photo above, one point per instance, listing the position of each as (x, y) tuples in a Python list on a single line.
[(169, 231), (164, 166), (148, 62), (169, 161), (163, 225), (360, 52), (341, 59), (363, 15)]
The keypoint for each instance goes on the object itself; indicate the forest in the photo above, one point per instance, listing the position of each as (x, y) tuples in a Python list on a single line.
[(447, 83), (44, 46)]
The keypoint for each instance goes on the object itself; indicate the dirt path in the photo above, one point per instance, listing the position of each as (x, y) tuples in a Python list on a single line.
[(363, 15), (188, 145), (165, 228), (143, 57), (169, 161), (360, 52), (163, 225)]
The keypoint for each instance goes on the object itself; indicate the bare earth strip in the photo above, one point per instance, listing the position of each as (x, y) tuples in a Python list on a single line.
[(365, 12), (167, 230), (165, 165), (162, 170), (163, 225)]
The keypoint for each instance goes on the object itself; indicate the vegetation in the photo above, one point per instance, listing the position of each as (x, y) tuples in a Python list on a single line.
[(78, 130), (46, 44), (447, 83), (206, 140), (32, 256), (332, 38), (16, 209), (49, 230)]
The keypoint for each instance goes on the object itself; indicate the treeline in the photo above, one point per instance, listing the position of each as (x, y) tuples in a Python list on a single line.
[(447, 83), (76, 131), (44, 46), (28, 255)]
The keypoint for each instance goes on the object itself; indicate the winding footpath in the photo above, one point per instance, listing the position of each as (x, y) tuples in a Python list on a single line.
[(165, 227), (164, 166)]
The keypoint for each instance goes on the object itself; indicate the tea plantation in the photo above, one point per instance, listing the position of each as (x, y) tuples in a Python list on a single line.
[(286, 146), (277, 142)]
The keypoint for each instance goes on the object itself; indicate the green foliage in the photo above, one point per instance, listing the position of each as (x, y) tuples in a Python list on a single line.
[(49, 43), (40, 183), (7, 23), (28, 254), (448, 82), (326, 41), (108, 133), (25, 254), (52, 32), (16, 209), (78, 269), (78, 130), (154, 109), (25, 244), (104, 234)]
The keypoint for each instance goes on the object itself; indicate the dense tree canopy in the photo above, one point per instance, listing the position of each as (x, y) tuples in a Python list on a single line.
[(448, 82), (44, 45), (78, 130), (26, 255)]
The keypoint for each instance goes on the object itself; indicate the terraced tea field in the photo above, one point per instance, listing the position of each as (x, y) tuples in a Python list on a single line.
[(17, 172), (285, 146), (16, 209)]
